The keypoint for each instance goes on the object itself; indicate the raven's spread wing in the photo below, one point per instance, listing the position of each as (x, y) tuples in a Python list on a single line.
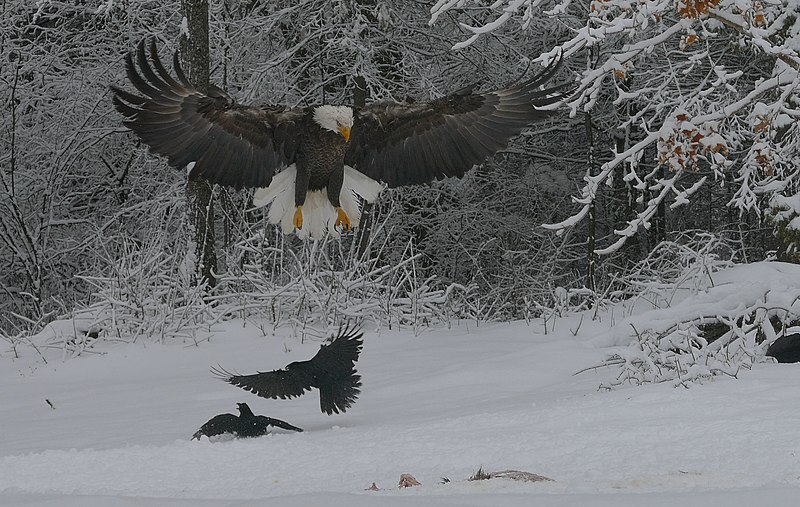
[(337, 395), (332, 370), (290, 382), (340, 356), (404, 144), (230, 144), (334, 367), (217, 425), (269, 421)]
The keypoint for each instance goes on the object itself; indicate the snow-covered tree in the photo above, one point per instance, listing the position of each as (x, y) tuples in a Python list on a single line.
[(690, 86)]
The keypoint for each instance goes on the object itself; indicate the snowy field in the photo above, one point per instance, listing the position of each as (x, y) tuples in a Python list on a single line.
[(439, 404)]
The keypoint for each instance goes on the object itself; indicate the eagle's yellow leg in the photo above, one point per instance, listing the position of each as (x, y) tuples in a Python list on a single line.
[(298, 217), (342, 220)]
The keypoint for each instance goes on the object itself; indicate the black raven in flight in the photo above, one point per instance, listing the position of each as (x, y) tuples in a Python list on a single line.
[(332, 370)]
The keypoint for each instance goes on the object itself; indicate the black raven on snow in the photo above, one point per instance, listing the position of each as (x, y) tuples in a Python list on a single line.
[(246, 424), (332, 370)]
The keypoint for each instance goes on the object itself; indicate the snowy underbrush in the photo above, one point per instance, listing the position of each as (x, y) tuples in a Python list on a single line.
[(677, 267), (145, 293), (272, 280), (693, 314), (656, 280), (325, 283)]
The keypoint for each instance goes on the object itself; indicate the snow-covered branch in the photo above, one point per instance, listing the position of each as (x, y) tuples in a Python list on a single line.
[(667, 76)]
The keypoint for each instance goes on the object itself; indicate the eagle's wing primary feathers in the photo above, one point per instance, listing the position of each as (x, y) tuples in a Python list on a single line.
[(230, 144), (286, 383), (404, 144)]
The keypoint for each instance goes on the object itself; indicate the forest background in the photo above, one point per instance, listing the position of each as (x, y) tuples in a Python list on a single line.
[(683, 132)]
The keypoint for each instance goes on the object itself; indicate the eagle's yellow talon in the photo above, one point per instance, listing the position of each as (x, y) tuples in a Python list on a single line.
[(298, 217), (342, 220)]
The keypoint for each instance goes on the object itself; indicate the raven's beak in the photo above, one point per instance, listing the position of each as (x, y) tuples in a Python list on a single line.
[(345, 131)]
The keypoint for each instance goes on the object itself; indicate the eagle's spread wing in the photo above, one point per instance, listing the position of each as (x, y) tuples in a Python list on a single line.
[(231, 144), (404, 144), (290, 382)]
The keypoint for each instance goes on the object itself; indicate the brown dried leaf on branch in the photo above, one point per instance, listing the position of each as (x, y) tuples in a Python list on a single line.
[(763, 124), (693, 9), (763, 157), (687, 40), (686, 144)]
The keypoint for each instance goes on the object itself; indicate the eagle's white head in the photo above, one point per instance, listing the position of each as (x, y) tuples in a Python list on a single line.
[(335, 118)]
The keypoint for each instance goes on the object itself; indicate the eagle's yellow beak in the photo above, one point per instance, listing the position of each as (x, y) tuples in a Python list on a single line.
[(345, 131)]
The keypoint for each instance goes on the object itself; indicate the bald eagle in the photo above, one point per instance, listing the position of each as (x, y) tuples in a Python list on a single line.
[(332, 370), (328, 153)]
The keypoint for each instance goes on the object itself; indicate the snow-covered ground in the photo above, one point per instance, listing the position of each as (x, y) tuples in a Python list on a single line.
[(440, 404)]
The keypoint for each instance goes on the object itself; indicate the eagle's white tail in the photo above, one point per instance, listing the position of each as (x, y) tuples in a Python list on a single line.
[(319, 215)]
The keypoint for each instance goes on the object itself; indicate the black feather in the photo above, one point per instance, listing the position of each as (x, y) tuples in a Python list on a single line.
[(332, 371), (245, 425)]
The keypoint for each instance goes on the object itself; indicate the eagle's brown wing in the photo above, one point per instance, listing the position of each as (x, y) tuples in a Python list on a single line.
[(230, 144), (404, 144)]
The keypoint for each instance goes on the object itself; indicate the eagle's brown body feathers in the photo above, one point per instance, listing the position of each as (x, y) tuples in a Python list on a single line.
[(319, 164)]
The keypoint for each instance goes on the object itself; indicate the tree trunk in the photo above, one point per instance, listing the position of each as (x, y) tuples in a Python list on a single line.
[(623, 205), (199, 192), (660, 218), (365, 228), (591, 256)]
